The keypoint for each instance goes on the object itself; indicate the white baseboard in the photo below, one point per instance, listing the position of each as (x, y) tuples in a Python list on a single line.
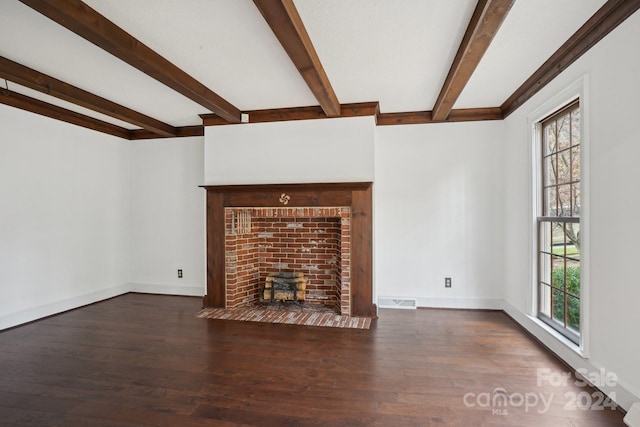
[(151, 288), (464, 303), (20, 317), (625, 396)]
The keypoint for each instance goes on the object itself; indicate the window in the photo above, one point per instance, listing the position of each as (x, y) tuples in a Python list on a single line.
[(559, 221)]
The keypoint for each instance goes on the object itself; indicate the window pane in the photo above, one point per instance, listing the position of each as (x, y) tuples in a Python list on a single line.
[(558, 305), (550, 170), (545, 236), (557, 272), (565, 204), (573, 240), (577, 200), (575, 127), (564, 138), (550, 208), (545, 300), (564, 167), (573, 320), (573, 277), (566, 239), (550, 138), (558, 238), (545, 268), (575, 164)]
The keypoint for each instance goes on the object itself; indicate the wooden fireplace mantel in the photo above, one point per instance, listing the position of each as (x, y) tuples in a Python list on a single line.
[(355, 195)]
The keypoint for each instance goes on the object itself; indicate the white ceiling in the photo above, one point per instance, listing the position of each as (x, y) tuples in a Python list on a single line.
[(531, 33), (397, 52)]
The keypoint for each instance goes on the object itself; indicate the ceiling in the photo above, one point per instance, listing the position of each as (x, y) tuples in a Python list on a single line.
[(395, 55)]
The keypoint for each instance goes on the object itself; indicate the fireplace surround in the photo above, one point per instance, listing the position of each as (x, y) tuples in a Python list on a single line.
[(353, 201)]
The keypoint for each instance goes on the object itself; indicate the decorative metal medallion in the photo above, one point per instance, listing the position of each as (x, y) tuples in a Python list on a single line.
[(284, 198)]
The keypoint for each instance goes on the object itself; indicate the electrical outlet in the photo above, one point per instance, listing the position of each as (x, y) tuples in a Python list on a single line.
[(179, 274), (447, 282)]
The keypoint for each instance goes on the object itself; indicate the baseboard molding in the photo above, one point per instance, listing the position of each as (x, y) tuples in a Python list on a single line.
[(151, 288), (463, 303), (25, 316), (625, 396)]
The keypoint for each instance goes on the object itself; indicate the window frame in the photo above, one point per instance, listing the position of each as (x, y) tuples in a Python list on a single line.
[(546, 221), (576, 90)]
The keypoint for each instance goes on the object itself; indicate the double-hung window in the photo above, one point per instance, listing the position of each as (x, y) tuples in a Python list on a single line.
[(558, 221)]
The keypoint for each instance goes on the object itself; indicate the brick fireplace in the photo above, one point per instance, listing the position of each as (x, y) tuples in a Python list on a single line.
[(321, 230)]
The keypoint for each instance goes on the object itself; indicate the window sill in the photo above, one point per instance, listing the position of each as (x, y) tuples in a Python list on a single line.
[(566, 342)]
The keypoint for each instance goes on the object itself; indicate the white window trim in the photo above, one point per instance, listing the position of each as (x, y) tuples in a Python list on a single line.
[(577, 90)]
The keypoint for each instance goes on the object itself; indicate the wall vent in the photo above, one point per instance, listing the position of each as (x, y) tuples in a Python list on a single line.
[(397, 302)]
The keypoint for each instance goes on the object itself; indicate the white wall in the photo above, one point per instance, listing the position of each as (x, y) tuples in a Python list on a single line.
[(86, 216), (168, 216), (437, 195), (613, 89), (64, 216), (438, 213), (305, 151)]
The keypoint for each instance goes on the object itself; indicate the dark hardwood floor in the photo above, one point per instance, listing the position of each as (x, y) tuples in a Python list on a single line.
[(144, 360)]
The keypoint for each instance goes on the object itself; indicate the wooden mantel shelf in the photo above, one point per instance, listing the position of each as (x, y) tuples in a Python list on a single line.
[(296, 186), (355, 195)]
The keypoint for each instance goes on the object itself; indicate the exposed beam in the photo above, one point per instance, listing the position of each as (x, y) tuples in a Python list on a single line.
[(608, 17), (361, 109), (78, 17), (184, 131), (33, 79), (297, 113), (484, 24), (284, 20), (305, 113), (36, 106), (421, 117)]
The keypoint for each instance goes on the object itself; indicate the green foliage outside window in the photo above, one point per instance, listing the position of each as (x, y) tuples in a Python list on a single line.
[(573, 287)]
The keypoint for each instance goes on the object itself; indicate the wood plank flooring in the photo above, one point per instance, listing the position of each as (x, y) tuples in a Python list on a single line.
[(145, 360)]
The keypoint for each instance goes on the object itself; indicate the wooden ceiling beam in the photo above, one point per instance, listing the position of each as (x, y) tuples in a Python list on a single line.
[(283, 18), (358, 110), (78, 17), (181, 132), (42, 108), (36, 80), (485, 22), (423, 117), (605, 20), (306, 113), (298, 113), (32, 105)]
